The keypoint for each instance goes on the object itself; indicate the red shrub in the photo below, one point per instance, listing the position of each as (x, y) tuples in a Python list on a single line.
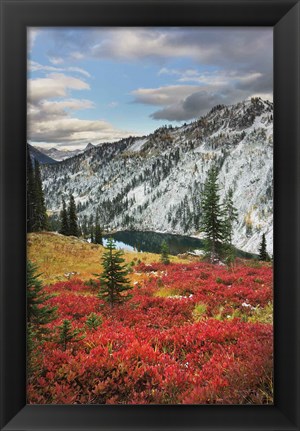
[(150, 349)]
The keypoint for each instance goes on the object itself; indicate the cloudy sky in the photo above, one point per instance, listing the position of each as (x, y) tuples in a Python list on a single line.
[(101, 84)]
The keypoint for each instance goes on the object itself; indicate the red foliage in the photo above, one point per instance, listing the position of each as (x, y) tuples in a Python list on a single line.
[(150, 349)]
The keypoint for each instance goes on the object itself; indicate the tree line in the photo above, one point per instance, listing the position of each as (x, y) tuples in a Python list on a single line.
[(37, 219), (217, 218), (217, 222)]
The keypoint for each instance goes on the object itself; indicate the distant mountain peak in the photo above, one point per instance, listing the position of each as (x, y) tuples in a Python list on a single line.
[(38, 155), (58, 154), (89, 146)]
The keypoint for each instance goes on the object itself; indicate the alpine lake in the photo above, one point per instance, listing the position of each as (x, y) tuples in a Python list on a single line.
[(148, 241)]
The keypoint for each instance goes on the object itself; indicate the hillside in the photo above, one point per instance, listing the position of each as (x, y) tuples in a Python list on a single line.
[(58, 154), (154, 183), (60, 258)]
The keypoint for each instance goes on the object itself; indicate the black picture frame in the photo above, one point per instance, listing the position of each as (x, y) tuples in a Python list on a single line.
[(284, 16)]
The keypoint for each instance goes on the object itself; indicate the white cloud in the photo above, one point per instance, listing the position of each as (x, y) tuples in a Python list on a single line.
[(163, 95), (56, 60), (47, 110), (213, 46), (54, 85), (186, 102), (74, 131), (50, 114), (33, 66), (76, 55)]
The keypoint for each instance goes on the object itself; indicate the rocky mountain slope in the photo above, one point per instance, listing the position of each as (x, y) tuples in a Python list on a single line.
[(155, 182), (59, 154)]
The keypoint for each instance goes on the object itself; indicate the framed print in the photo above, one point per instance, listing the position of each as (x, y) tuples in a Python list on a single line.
[(177, 222), (149, 225)]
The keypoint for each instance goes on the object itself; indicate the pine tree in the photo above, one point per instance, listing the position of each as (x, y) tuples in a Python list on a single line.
[(64, 222), (40, 221), (113, 281), (67, 335), (38, 312), (231, 217), (212, 222), (92, 233), (91, 228), (72, 217), (30, 194), (93, 321), (98, 234), (164, 253), (37, 219), (263, 255), (84, 227)]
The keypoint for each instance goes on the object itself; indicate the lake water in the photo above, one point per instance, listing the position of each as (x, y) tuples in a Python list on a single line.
[(151, 242)]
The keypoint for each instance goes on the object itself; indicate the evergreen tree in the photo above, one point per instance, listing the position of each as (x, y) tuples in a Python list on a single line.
[(84, 227), (212, 222), (67, 335), (91, 227), (72, 217), (164, 253), (92, 234), (30, 194), (93, 321), (98, 231), (37, 219), (98, 234), (54, 223), (64, 220), (263, 255), (40, 221), (38, 312), (231, 215), (113, 281)]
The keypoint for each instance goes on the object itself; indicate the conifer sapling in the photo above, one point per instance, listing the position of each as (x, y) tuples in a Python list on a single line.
[(164, 253), (39, 313), (67, 335), (113, 281), (263, 255)]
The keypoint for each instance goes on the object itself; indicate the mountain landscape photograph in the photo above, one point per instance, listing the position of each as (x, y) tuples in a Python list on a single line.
[(150, 215)]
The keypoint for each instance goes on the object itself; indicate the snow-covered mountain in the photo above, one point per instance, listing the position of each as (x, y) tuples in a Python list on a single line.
[(58, 155), (41, 157), (155, 182)]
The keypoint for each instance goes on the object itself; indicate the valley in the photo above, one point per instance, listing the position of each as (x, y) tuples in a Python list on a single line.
[(154, 183)]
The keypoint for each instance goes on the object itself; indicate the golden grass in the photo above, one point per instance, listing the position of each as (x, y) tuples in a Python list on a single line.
[(165, 292), (57, 255), (262, 315), (199, 311)]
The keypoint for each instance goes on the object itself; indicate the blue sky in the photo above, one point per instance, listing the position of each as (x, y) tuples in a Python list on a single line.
[(101, 84)]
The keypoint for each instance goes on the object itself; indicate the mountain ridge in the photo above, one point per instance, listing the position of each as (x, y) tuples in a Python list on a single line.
[(40, 156), (155, 182)]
